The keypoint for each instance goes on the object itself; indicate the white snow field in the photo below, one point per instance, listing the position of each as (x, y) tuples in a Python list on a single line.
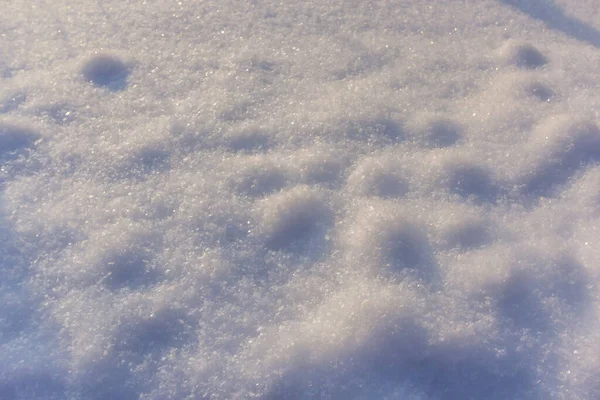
[(334, 199)]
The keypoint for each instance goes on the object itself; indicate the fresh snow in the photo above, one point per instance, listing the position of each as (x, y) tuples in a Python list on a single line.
[(260, 199)]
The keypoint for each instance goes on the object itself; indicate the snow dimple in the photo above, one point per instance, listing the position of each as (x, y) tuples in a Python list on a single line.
[(106, 70), (59, 113), (466, 233), (379, 131), (292, 219), (248, 140), (523, 55), (143, 163), (536, 291), (381, 177), (319, 167), (15, 139), (12, 102), (153, 334), (521, 305), (470, 181), (129, 269), (121, 258), (390, 243), (559, 148), (438, 132), (389, 349), (404, 246), (257, 177), (540, 91)]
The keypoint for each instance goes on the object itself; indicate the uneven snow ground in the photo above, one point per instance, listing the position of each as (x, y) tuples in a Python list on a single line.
[(299, 200)]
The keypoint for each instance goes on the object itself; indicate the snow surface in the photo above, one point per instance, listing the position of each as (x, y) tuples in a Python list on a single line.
[(333, 199)]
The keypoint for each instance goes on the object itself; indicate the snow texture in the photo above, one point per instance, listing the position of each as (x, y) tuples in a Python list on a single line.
[(351, 199)]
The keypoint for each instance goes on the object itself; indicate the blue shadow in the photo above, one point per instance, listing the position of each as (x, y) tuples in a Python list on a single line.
[(555, 18)]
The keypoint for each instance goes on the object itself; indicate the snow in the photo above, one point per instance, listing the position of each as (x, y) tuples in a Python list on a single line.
[(299, 200)]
